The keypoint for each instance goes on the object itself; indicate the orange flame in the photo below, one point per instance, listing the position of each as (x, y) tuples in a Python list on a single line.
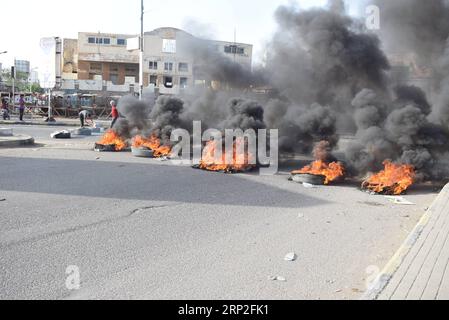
[(331, 171), (153, 143), (112, 138), (240, 161), (395, 179)]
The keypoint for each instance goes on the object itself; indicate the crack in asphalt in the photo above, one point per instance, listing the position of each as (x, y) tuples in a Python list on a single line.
[(133, 212), (48, 235)]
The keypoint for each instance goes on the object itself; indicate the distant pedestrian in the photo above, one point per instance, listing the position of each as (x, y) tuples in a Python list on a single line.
[(114, 114), (5, 110), (84, 117), (21, 107)]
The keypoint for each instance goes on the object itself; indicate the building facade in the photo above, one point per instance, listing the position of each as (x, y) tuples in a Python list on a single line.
[(22, 66), (102, 62)]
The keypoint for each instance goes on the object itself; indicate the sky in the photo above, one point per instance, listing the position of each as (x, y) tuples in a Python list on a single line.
[(31, 20)]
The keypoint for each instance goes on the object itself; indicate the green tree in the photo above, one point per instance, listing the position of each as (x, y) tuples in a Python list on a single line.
[(21, 81), (36, 88)]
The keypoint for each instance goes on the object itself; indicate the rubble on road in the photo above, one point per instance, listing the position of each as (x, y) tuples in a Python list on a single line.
[(291, 257), (399, 200), (277, 278), (64, 134), (82, 132)]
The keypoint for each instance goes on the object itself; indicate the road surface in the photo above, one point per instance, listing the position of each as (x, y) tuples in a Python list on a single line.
[(145, 229)]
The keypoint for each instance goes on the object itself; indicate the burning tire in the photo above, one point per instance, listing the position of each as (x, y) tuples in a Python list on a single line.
[(142, 152), (105, 147), (308, 178)]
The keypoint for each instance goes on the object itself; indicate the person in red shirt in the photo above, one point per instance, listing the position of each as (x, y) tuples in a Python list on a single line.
[(114, 114)]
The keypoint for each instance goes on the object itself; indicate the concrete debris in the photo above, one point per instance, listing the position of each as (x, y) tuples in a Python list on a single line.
[(64, 134), (338, 291), (291, 257), (399, 200), (308, 185), (82, 132), (277, 278)]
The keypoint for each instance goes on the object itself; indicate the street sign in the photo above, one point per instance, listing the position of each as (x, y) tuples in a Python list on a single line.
[(133, 44), (47, 65)]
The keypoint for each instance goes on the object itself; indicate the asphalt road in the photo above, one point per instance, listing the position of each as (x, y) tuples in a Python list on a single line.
[(141, 228)]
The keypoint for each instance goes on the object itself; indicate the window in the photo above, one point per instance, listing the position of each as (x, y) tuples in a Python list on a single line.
[(153, 80), (96, 68), (153, 65), (168, 82), (113, 68), (113, 78), (97, 40), (183, 67), (121, 42), (234, 49), (168, 46), (183, 82), (168, 66), (131, 71)]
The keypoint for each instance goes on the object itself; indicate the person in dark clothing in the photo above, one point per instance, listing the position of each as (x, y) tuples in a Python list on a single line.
[(21, 107), (114, 114), (84, 116), (5, 110)]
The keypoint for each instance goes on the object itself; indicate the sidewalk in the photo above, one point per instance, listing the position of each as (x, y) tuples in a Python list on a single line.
[(420, 269), (41, 122), (60, 122)]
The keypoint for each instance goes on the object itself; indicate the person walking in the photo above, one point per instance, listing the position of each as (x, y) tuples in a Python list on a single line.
[(84, 116), (21, 107), (114, 113)]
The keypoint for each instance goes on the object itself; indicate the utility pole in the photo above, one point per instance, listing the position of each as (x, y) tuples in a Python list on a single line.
[(13, 76), (142, 44)]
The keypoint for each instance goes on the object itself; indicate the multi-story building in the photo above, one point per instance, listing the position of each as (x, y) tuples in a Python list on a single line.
[(102, 62), (22, 66)]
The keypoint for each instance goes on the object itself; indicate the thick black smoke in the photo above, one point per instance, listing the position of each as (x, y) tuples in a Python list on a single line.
[(165, 117), (318, 61), (134, 117), (323, 56), (398, 130), (244, 114), (326, 71), (421, 28), (396, 123)]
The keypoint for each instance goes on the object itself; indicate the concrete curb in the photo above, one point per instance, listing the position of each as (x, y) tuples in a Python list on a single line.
[(16, 141), (54, 124), (384, 278)]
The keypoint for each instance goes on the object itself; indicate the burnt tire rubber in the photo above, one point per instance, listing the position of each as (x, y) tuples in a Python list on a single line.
[(142, 152), (308, 178)]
